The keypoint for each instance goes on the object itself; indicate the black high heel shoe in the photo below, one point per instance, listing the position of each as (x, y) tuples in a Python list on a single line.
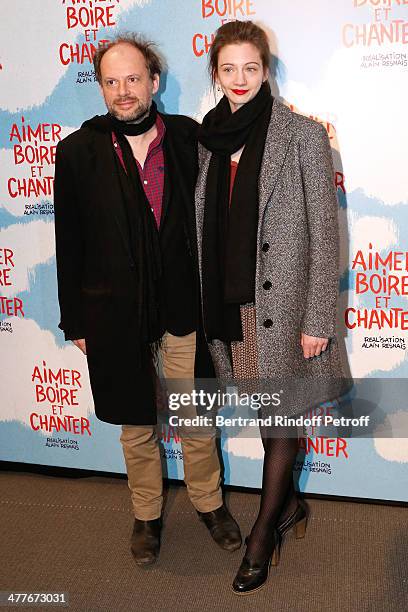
[(252, 576), (297, 521)]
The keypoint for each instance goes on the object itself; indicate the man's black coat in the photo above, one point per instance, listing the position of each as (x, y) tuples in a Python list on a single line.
[(96, 273)]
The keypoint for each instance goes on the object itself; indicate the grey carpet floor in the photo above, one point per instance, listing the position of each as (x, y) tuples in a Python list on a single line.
[(72, 535)]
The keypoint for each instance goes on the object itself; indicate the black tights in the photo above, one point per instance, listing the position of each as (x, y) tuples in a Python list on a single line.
[(278, 497)]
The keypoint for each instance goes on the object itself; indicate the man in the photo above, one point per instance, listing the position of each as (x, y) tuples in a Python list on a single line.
[(128, 278)]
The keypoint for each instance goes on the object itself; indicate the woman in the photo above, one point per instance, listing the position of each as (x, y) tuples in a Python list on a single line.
[(268, 251)]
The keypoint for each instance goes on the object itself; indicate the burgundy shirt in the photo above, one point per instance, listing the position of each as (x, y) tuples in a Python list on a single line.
[(234, 168), (152, 173)]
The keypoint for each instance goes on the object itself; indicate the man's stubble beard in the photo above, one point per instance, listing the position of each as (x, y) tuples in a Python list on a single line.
[(136, 117)]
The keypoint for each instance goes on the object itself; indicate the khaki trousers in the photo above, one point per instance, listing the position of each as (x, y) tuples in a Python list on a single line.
[(142, 453)]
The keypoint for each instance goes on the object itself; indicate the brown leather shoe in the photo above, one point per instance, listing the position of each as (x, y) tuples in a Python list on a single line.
[(145, 541), (222, 527)]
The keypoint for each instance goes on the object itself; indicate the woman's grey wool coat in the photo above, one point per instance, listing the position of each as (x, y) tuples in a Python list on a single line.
[(296, 285)]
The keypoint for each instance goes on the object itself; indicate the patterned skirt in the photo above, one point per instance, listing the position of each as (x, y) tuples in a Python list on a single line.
[(244, 352)]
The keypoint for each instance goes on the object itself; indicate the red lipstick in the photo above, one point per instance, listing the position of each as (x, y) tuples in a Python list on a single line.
[(240, 92)]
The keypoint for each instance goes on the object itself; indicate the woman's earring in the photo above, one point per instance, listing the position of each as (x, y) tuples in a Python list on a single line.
[(218, 88)]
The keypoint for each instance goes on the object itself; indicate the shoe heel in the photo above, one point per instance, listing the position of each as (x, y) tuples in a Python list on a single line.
[(276, 553), (275, 558), (300, 528)]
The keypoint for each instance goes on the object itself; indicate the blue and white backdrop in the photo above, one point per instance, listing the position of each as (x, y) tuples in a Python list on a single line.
[(344, 63)]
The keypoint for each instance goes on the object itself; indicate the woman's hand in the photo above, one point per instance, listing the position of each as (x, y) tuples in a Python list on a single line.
[(313, 346)]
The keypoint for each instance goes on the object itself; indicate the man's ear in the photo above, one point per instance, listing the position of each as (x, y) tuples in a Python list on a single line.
[(156, 83)]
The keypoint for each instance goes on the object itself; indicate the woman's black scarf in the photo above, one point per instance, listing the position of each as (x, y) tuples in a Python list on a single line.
[(144, 243), (230, 231)]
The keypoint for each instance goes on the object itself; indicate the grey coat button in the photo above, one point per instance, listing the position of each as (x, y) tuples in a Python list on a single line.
[(267, 285), (268, 323), (265, 247)]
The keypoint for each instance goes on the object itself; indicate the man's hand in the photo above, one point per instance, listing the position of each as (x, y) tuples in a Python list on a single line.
[(312, 346), (81, 345)]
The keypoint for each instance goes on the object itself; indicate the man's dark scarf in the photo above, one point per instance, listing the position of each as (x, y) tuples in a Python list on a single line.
[(135, 128), (230, 231), (143, 232)]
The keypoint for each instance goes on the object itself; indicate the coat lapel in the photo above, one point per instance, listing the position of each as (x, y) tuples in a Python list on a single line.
[(205, 158), (108, 185), (180, 176), (277, 142), (167, 185)]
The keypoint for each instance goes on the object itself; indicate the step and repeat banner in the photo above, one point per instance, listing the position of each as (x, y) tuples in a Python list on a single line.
[(345, 64)]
